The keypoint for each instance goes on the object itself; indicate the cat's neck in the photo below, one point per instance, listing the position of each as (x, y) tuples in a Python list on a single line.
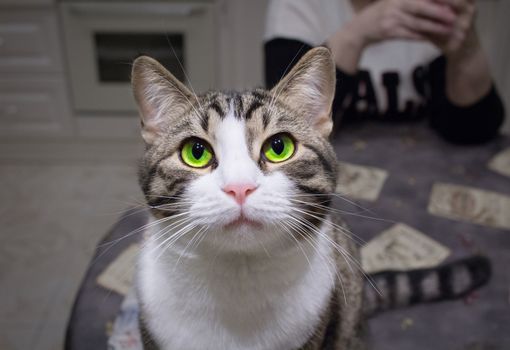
[(285, 263), (249, 295)]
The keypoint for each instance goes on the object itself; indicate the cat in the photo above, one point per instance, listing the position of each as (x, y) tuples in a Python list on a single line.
[(243, 250)]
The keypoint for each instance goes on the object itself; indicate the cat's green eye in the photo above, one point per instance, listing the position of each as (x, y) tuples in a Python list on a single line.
[(279, 148), (196, 153)]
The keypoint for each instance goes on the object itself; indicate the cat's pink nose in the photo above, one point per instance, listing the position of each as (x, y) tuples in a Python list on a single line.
[(239, 191)]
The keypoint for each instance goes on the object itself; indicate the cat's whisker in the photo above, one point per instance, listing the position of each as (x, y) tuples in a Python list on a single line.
[(297, 242), (202, 237), (325, 259), (116, 241), (125, 213), (335, 210), (347, 256), (139, 202), (142, 228), (178, 215), (280, 89), (346, 232), (282, 239), (161, 234), (190, 243), (177, 197), (177, 200), (309, 239), (317, 231), (265, 249), (196, 212), (339, 211), (299, 223), (166, 207), (200, 234), (370, 217), (336, 195), (198, 114), (184, 72), (174, 225), (170, 241), (164, 231), (134, 208), (174, 237), (341, 229), (178, 204)]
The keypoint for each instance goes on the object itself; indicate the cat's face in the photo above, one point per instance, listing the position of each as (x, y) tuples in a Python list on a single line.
[(236, 171)]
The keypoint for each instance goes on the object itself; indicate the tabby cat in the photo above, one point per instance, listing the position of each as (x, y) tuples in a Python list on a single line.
[(243, 249)]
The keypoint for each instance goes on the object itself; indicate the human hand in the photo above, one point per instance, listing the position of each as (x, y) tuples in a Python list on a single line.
[(433, 20), (463, 35)]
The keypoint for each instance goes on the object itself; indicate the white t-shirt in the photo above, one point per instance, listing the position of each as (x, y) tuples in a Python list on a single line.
[(314, 21)]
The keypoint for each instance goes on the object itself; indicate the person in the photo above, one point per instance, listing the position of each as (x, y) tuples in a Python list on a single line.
[(396, 60)]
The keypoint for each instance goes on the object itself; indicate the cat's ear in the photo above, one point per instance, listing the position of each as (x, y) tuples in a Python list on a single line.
[(160, 96), (310, 87)]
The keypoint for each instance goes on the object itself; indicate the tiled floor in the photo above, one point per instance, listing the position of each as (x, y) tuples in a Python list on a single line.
[(52, 216)]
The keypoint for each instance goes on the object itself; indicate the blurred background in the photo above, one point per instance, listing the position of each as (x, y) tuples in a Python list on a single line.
[(69, 130)]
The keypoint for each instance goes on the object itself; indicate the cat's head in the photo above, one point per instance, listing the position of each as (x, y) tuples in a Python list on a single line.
[(239, 171)]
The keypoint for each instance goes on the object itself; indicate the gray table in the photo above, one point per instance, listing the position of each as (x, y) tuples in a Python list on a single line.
[(415, 158)]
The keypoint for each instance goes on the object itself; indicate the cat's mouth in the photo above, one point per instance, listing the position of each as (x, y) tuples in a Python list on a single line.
[(241, 221)]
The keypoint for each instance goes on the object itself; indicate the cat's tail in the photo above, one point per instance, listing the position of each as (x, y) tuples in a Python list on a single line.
[(403, 288)]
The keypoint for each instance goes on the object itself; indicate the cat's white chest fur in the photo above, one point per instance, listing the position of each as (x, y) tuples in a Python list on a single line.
[(235, 301)]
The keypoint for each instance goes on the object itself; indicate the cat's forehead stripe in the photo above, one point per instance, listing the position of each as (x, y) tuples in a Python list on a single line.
[(212, 106), (323, 161), (252, 108), (243, 105), (265, 120), (217, 108), (238, 104)]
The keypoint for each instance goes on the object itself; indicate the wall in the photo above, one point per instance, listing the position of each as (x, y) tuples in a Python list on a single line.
[(241, 29)]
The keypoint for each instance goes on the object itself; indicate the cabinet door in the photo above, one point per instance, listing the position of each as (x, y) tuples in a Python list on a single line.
[(31, 106), (29, 41), (102, 39)]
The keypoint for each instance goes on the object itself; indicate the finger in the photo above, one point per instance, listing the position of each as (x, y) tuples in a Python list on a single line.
[(438, 40), (431, 10), (404, 33), (424, 25), (455, 4), (446, 43), (464, 24)]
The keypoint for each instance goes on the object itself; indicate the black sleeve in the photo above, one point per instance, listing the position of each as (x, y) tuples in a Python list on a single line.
[(281, 54), (476, 123)]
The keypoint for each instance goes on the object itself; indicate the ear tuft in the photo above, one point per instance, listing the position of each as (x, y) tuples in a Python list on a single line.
[(160, 96), (310, 87)]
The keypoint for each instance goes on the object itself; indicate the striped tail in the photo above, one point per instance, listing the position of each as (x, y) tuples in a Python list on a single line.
[(404, 288)]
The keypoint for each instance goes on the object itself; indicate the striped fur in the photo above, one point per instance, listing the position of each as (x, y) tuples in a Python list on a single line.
[(405, 288), (162, 174), (292, 281)]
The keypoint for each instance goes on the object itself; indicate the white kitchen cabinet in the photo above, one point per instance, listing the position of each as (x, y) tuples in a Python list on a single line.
[(33, 86), (29, 41), (34, 105)]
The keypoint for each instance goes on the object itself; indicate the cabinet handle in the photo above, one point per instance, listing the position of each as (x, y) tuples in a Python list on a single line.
[(181, 9)]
